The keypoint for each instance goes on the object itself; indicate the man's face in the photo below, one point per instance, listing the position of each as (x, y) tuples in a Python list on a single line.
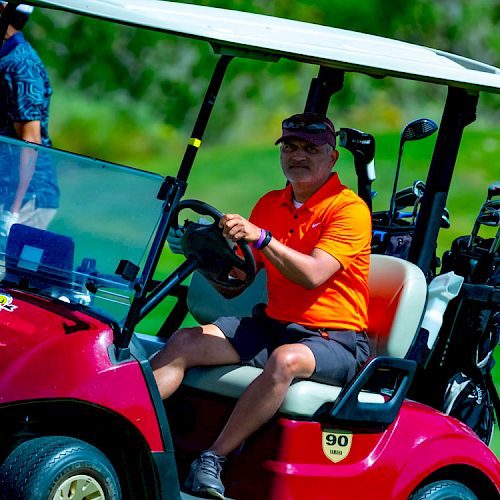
[(304, 162)]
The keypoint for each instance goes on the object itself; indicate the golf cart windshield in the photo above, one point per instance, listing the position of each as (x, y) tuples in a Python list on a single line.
[(80, 218)]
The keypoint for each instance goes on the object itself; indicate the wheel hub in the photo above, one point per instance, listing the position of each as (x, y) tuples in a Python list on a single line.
[(79, 487)]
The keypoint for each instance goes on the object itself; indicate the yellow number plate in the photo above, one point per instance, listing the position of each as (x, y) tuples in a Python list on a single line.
[(336, 444)]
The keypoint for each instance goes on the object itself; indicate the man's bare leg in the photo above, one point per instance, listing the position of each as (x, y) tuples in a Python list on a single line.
[(263, 397), (198, 346)]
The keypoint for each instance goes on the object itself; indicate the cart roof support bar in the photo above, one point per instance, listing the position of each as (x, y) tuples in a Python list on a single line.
[(459, 111), (203, 117), (171, 192), (328, 82)]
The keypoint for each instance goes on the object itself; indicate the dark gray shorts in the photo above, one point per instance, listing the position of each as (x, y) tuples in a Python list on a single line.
[(337, 357)]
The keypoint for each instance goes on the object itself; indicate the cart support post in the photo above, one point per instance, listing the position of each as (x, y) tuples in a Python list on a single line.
[(203, 117), (172, 191), (459, 111), (328, 82)]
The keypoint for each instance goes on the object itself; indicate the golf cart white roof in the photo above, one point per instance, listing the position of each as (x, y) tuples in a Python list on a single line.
[(254, 35)]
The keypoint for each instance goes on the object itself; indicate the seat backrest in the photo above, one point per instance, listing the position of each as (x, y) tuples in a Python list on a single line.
[(397, 296)]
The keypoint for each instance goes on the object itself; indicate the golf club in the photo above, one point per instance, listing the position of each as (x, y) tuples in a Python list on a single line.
[(413, 131), (489, 215), (409, 196), (362, 147), (493, 190)]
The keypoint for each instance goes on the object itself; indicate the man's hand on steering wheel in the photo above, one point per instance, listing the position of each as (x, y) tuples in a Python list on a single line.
[(215, 256), (236, 228)]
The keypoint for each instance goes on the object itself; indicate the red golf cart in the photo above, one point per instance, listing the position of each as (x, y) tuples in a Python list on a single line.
[(80, 411)]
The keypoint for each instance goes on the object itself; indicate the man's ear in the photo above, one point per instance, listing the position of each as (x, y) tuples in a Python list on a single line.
[(334, 156)]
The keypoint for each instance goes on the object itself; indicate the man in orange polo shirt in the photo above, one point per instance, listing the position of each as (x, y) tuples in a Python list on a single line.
[(313, 239)]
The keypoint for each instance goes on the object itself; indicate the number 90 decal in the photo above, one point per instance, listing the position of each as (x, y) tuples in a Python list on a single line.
[(336, 444)]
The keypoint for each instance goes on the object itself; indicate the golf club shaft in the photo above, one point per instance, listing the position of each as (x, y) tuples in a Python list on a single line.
[(395, 186)]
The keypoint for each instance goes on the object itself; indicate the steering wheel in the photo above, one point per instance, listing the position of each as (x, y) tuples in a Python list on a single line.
[(214, 253)]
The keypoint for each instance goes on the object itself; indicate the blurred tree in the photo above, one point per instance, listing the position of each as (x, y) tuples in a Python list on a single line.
[(171, 73)]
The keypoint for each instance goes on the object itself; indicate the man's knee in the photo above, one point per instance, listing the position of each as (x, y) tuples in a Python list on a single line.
[(290, 361), (184, 339), (199, 346)]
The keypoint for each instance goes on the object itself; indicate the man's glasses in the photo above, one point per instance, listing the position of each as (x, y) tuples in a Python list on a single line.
[(315, 127)]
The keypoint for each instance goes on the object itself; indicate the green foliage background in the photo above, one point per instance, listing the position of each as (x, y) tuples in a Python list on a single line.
[(167, 75), (131, 96)]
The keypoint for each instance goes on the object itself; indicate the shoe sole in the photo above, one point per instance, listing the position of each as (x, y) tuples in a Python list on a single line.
[(203, 492), (213, 493)]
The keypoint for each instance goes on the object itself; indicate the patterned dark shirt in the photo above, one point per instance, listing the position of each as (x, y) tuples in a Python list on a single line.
[(25, 96)]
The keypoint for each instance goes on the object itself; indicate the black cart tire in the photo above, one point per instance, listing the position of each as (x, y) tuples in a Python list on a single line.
[(55, 467), (443, 490)]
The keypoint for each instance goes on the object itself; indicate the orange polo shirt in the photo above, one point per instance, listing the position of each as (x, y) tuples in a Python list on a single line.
[(338, 222)]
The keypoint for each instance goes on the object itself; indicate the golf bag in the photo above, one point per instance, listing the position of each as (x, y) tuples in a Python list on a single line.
[(471, 331), (393, 235)]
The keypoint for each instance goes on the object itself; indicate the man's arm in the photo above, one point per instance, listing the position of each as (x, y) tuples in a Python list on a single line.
[(27, 131), (309, 271), (30, 131)]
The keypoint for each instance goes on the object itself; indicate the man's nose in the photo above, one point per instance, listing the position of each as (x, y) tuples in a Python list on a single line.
[(299, 154)]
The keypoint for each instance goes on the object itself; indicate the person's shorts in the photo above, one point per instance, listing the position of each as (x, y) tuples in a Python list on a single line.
[(36, 217), (338, 353)]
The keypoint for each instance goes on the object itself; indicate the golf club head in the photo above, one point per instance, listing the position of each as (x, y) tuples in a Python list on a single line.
[(409, 196), (362, 147), (489, 214), (493, 190), (419, 188), (415, 130), (418, 129), (445, 219), (405, 198)]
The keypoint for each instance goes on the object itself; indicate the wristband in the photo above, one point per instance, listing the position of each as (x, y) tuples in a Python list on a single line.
[(262, 237), (266, 241)]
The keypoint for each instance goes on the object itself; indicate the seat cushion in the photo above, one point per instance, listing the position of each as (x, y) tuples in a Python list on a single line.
[(397, 296), (303, 399)]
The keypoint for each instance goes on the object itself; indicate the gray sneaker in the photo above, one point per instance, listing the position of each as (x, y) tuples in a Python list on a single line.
[(204, 475)]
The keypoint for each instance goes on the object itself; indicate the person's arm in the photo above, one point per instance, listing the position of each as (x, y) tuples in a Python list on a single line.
[(309, 271), (30, 131), (27, 131)]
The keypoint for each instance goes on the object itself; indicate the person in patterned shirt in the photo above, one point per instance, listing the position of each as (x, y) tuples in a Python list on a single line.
[(29, 193)]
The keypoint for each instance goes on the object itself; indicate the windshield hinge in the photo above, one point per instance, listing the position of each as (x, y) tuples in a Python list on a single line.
[(127, 270)]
